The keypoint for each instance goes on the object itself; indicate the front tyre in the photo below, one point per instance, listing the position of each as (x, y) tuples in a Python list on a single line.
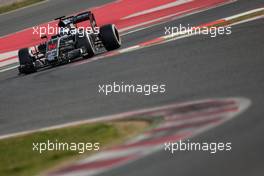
[(110, 37), (26, 62)]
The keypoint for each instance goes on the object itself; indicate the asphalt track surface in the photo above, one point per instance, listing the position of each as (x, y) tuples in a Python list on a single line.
[(193, 68), (21, 19)]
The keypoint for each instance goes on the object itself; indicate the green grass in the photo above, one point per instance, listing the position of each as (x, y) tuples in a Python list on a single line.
[(17, 5), (17, 157)]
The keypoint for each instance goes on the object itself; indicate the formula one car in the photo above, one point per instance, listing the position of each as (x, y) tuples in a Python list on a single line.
[(69, 44)]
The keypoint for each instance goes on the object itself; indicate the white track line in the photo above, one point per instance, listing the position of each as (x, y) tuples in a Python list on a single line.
[(162, 7), (102, 119)]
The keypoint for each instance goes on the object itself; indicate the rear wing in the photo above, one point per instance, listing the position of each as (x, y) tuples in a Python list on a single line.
[(81, 17)]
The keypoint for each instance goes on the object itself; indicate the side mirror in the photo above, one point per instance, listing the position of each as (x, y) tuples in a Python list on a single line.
[(44, 37)]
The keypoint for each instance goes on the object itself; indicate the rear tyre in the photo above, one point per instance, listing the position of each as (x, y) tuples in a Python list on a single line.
[(84, 41), (110, 37), (26, 62)]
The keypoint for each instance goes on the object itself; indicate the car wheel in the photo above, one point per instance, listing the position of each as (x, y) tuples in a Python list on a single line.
[(110, 37), (26, 62)]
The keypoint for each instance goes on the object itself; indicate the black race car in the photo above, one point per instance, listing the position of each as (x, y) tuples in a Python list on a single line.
[(70, 43)]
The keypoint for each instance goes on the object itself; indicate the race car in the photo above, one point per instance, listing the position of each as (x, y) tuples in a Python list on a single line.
[(69, 44)]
